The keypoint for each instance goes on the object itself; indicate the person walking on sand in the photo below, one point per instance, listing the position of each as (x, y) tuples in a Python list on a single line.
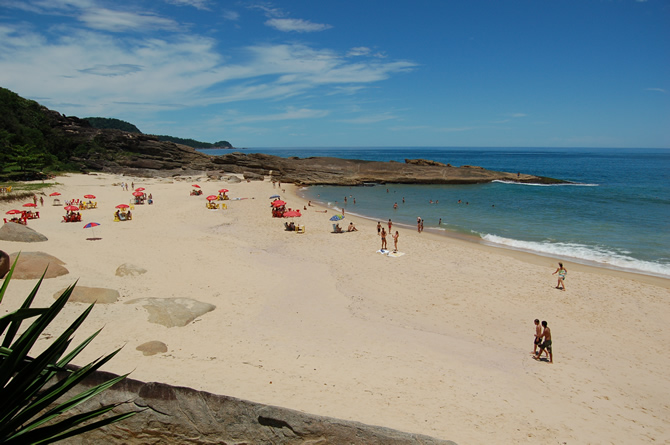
[(538, 336), (383, 239), (395, 241), (546, 343), (562, 272)]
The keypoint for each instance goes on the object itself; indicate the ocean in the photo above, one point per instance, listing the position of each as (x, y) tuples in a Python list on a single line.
[(616, 212)]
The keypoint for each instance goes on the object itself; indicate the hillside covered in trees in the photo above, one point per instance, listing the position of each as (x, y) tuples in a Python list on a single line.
[(117, 124)]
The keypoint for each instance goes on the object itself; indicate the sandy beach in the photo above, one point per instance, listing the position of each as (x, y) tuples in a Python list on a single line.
[(436, 341)]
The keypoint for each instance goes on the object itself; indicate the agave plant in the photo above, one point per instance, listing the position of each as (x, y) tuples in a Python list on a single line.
[(31, 411)]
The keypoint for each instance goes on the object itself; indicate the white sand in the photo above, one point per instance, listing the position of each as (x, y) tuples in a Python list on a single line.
[(434, 342)]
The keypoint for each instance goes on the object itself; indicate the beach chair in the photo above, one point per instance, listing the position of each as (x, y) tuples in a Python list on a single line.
[(223, 205), (300, 229), (337, 229)]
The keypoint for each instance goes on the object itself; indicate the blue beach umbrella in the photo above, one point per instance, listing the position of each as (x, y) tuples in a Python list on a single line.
[(275, 196), (337, 217)]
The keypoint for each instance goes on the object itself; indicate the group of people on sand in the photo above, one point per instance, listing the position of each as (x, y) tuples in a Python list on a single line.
[(542, 342), (382, 233)]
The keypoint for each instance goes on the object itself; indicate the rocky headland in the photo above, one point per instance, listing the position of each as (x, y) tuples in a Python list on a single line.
[(146, 155)]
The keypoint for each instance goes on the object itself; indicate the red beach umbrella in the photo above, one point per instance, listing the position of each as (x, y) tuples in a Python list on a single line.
[(29, 204), (14, 212), (211, 197), (89, 196), (278, 203), (71, 208), (195, 185), (122, 206), (223, 191), (138, 194), (140, 189), (291, 214), (55, 194)]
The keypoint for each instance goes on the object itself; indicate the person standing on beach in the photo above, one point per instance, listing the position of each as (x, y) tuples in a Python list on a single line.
[(546, 344), (418, 224), (562, 272), (538, 336), (383, 239), (395, 241), (390, 225), (379, 227), (421, 225)]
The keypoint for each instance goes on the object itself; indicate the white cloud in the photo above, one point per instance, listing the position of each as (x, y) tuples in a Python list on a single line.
[(660, 90), (198, 4), (120, 21), (359, 51), (231, 15), (291, 113), (370, 119), (296, 25)]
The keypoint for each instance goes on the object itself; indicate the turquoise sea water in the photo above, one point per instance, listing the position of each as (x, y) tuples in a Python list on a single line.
[(617, 214)]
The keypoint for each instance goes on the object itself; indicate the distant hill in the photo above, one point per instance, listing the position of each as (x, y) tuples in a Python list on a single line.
[(117, 124)]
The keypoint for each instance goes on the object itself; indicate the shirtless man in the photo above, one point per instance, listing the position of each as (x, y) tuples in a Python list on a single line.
[(546, 344), (383, 239), (538, 336)]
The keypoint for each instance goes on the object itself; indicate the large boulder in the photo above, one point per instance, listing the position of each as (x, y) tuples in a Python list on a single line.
[(5, 264), (31, 265), (88, 295), (152, 347), (129, 269), (171, 312), (20, 233)]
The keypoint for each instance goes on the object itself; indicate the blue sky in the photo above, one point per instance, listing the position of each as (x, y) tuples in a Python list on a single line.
[(464, 73)]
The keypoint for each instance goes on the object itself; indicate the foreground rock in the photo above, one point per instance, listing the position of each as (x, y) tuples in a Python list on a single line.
[(20, 233), (5, 264), (152, 347), (171, 312), (128, 269), (31, 266), (88, 295), (176, 415)]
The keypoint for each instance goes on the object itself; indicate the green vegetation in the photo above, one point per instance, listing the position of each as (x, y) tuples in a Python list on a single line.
[(30, 389), (195, 144), (111, 123), (28, 143)]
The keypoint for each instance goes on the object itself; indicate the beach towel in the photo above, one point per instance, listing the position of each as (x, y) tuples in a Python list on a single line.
[(390, 253)]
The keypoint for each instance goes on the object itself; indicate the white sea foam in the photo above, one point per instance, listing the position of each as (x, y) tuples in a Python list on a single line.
[(566, 184), (585, 253)]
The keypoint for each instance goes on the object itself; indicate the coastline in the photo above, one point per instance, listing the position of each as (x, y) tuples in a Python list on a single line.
[(525, 255), (434, 342)]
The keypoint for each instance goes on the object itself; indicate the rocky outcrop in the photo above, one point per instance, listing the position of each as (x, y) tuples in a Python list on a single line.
[(20, 233), (177, 415), (171, 312), (146, 155), (127, 269), (31, 266), (152, 347), (89, 295), (5, 263)]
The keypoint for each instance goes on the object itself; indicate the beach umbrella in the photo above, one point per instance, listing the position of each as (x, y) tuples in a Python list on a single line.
[(275, 197), (195, 185), (89, 196), (29, 204), (55, 194), (278, 203), (212, 197), (223, 191), (138, 194), (336, 217), (14, 212), (71, 208), (291, 214), (140, 189), (91, 225), (122, 206)]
